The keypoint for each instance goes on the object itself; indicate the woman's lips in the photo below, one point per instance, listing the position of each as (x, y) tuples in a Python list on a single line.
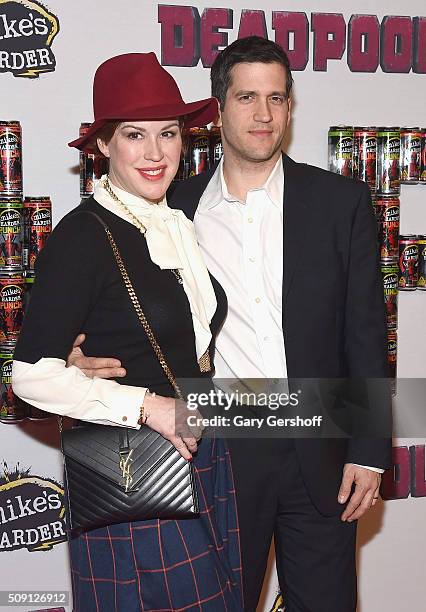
[(152, 174)]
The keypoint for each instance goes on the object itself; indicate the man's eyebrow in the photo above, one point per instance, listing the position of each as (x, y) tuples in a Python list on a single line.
[(246, 92)]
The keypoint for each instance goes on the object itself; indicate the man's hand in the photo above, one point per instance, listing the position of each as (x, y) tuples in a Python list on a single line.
[(366, 494), (102, 367)]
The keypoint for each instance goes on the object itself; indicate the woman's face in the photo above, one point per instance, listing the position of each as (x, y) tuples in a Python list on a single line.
[(144, 156)]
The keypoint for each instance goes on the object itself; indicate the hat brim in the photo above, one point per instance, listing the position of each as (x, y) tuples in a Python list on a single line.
[(196, 114)]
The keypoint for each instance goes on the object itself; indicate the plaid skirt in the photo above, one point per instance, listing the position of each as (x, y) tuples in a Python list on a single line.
[(167, 565)]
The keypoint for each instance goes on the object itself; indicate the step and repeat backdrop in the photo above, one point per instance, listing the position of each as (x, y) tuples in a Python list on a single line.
[(355, 67)]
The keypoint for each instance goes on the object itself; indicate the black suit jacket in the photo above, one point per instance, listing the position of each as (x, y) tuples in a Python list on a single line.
[(333, 309)]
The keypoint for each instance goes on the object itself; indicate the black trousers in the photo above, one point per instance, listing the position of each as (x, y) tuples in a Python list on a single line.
[(315, 554)]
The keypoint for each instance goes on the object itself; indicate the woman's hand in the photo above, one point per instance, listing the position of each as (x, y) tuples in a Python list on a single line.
[(169, 417)]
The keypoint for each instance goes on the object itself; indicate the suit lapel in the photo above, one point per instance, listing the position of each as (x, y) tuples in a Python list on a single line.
[(296, 219)]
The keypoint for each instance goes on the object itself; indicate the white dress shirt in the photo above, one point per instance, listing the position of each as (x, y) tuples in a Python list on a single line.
[(242, 244)]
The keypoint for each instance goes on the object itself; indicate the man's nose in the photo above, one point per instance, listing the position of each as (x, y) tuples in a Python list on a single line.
[(262, 111)]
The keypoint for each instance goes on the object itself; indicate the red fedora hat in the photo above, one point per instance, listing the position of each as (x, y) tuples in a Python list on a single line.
[(135, 86)]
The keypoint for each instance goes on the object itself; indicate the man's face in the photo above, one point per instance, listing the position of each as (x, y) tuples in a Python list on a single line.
[(256, 112)]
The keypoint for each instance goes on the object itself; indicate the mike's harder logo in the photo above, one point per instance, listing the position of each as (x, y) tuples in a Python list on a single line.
[(27, 30), (32, 512)]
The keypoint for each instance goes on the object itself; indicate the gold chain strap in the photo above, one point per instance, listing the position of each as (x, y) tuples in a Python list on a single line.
[(141, 316)]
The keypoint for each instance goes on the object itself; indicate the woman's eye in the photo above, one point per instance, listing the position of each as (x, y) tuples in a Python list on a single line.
[(134, 135), (168, 134)]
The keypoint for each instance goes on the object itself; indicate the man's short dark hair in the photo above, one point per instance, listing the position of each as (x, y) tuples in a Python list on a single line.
[(248, 51)]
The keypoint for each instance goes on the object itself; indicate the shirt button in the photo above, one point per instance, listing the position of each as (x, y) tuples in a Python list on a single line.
[(257, 300), (250, 219), (124, 419), (252, 259)]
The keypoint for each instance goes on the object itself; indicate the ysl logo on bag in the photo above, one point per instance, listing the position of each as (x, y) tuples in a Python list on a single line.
[(125, 465)]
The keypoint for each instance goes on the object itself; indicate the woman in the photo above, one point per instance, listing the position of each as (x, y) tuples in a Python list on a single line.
[(156, 564)]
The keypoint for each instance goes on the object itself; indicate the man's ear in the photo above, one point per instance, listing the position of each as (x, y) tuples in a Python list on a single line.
[(103, 147), (289, 111), (218, 121)]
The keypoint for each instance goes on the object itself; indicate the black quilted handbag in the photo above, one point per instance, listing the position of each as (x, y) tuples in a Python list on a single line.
[(119, 474)]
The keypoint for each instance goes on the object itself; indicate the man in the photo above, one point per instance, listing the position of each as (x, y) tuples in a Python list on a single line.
[(295, 249)]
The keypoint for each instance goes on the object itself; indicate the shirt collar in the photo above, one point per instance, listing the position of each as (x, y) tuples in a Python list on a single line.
[(217, 191)]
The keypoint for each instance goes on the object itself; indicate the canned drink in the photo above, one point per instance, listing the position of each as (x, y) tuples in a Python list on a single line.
[(11, 306), (340, 149), (387, 215), (10, 410), (408, 262), (365, 155), (421, 279), (411, 141), (37, 227), (390, 291), (87, 167), (392, 359), (216, 148), (423, 157), (10, 158), (388, 160), (11, 233), (199, 148)]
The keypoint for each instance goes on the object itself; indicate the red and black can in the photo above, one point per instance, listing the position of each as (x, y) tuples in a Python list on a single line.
[(365, 155), (11, 411), (408, 262), (411, 141), (87, 167), (11, 233), (11, 306), (199, 150), (341, 149), (388, 160), (423, 157), (387, 215), (37, 227), (10, 158), (392, 359), (390, 290), (421, 279), (216, 148)]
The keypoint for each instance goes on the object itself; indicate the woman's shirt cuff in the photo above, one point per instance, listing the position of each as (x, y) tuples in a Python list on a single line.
[(50, 386)]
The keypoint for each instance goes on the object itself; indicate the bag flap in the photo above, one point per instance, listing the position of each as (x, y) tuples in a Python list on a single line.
[(97, 448)]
